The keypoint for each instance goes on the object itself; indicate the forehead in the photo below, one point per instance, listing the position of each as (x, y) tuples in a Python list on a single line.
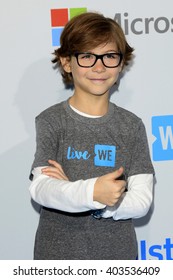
[(103, 48)]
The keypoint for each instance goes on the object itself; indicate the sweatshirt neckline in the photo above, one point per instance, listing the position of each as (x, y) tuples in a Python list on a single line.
[(85, 119), (84, 114)]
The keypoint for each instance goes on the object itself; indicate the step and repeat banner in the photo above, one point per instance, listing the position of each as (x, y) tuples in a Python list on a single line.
[(30, 31)]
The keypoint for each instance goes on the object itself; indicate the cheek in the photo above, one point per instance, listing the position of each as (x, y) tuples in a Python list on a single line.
[(116, 74), (115, 77), (78, 72)]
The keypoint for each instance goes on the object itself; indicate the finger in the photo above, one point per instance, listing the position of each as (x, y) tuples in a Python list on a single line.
[(54, 170), (55, 174), (120, 186), (116, 174), (55, 164), (119, 172), (123, 189), (123, 185), (120, 189)]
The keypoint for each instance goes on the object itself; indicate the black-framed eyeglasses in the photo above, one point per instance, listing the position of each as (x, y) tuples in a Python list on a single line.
[(110, 60)]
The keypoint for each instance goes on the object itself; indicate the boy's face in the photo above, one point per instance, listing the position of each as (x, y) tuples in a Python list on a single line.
[(98, 79)]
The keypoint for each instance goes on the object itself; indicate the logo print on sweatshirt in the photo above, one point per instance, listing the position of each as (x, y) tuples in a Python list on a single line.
[(162, 129), (105, 155), (59, 18)]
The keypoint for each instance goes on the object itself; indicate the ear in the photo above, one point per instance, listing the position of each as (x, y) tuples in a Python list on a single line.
[(121, 67), (66, 64)]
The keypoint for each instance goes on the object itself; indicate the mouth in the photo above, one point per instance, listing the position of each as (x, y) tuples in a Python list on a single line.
[(98, 80)]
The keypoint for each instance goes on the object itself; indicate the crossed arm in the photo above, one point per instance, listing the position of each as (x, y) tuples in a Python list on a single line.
[(107, 190), (52, 188)]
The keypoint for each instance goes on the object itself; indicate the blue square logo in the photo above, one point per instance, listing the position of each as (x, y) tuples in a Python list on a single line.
[(162, 129), (56, 33), (105, 155)]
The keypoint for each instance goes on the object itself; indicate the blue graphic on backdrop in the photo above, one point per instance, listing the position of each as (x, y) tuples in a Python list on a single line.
[(158, 251), (105, 155), (162, 129)]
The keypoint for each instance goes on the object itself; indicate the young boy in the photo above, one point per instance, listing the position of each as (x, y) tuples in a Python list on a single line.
[(92, 171)]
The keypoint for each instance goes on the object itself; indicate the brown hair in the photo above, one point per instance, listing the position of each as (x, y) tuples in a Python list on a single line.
[(85, 32)]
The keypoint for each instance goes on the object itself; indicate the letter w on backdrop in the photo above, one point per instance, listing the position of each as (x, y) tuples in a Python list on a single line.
[(162, 129)]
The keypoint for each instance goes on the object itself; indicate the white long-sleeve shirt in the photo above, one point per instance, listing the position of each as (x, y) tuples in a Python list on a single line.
[(78, 196)]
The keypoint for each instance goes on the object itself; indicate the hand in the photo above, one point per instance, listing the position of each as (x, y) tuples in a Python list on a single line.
[(108, 189), (55, 171)]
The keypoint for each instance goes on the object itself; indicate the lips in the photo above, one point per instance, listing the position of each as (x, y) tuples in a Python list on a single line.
[(96, 80)]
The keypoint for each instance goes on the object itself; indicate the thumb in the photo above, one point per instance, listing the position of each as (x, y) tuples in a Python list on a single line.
[(117, 173)]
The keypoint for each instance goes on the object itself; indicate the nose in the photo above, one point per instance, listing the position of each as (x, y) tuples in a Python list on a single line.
[(98, 66)]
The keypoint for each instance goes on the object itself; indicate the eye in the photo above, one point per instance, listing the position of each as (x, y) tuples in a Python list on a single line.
[(111, 55), (86, 56)]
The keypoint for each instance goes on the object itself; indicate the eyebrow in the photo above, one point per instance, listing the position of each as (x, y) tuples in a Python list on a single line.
[(108, 51)]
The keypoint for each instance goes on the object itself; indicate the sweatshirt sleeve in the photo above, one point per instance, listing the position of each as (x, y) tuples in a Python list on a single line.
[(63, 195)]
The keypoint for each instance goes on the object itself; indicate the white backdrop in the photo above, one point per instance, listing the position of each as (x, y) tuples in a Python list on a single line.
[(29, 84)]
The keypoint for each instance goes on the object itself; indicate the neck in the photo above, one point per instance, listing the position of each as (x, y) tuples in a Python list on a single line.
[(94, 105)]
